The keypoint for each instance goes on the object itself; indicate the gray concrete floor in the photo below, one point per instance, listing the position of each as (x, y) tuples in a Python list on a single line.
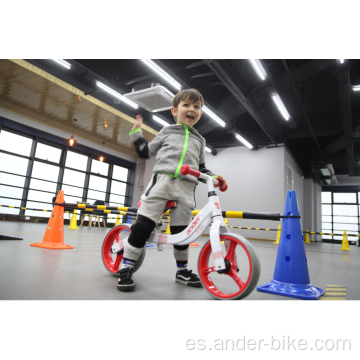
[(30, 273)]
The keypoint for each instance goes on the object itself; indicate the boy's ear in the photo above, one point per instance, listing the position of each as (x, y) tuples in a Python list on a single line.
[(173, 111)]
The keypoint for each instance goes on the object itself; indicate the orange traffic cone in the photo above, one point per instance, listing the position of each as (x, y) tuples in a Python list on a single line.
[(194, 244), (54, 234)]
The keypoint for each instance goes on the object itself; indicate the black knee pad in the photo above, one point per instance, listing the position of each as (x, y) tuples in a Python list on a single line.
[(141, 231), (176, 230)]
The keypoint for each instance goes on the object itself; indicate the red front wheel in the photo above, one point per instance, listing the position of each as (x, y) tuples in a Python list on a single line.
[(242, 271), (112, 261)]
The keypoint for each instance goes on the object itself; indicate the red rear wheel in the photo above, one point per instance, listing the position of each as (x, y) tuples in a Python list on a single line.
[(115, 235), (243, 268)]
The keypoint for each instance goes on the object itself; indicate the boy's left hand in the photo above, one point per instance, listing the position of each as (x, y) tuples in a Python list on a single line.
[(222, 180)]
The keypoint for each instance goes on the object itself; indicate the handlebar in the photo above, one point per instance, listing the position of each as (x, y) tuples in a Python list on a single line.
[(186, 170)]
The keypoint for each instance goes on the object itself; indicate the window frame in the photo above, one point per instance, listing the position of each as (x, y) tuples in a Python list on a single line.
[(333, 190), (40, 138)]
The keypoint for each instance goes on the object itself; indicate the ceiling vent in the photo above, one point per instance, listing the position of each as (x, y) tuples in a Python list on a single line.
[(154, 99), (325, 173)]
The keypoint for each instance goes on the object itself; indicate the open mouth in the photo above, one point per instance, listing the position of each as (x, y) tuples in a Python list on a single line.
[(189, 117)]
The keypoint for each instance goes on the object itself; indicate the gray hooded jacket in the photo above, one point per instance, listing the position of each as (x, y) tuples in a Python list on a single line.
[(174, 146)]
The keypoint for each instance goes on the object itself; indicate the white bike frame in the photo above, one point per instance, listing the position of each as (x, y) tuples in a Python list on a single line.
[(211, 212)]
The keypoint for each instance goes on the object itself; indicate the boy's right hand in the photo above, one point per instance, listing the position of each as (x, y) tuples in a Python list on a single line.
[(138, 122)]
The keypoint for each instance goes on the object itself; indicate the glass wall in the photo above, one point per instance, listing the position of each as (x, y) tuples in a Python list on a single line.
[(340, 211), (33, 170)]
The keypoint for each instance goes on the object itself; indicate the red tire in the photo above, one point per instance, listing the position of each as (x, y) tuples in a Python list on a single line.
[(242, 273), (115, 235)]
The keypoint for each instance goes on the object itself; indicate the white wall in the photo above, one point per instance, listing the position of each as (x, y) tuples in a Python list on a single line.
[(297, 178), (311, 217)]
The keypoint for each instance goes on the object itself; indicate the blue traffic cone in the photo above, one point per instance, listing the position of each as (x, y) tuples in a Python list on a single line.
[(128, 221), (291, 275), (149, 245)]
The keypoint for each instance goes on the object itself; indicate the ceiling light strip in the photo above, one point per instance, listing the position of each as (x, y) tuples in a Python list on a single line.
[(116, 94), (281, 107), (356, 88), (245, 142), (162, 73), (63, 63), (207, 149), (259, 69), (161, 121), (207, 111)]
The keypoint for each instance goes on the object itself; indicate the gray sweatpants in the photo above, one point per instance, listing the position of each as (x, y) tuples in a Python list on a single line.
[(163, 188)]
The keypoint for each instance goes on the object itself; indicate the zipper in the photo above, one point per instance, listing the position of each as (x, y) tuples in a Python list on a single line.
[(184, 151), (152, 185)]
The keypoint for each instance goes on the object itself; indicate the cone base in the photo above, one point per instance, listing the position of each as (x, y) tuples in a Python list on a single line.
[(344, 248), (149, 245), (52, 245), (73, 228), (299, 291), (194, 244)]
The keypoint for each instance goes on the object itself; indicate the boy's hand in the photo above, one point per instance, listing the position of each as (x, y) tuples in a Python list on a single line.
[(138, 122), (222, 181)]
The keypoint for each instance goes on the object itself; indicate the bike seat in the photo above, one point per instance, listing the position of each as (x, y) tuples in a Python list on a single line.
[(171, 204)]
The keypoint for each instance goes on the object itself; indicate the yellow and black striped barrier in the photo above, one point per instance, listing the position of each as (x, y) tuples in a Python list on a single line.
[(106, 209), (304, 232), (126, 213), (86, 209), (226, 214), (132, 212), (23, 208), (247, 228)]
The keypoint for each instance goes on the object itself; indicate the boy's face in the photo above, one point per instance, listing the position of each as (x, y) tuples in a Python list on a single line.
[(187, 113)]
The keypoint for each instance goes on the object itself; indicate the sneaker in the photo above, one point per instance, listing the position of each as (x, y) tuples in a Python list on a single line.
[(186, 277), (125, 283)]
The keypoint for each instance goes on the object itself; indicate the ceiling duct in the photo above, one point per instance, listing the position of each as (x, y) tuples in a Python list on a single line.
[(154, 99), (324, 173)]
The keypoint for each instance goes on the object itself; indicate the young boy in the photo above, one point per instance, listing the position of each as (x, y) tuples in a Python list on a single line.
[(174, 146)]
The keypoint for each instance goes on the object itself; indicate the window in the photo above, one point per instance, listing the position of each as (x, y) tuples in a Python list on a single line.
[(340, 211), (32, 171), (13, 169), (100, 168), (7, 179), (14, 143), (75, 178), (10, 202), (40, 206), (45, 171), (13, 164), (43, 185), (120, 173), (48, 153), (76, 161)]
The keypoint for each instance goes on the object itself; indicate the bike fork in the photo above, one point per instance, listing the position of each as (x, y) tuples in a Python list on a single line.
[(216, 245)]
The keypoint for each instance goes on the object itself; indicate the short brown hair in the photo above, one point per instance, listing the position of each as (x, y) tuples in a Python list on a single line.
[(191, 95)]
